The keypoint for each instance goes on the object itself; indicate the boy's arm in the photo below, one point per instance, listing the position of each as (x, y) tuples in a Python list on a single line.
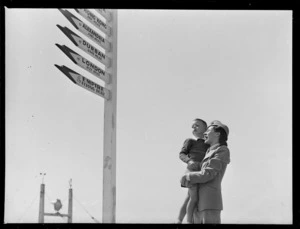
[(183, 155)]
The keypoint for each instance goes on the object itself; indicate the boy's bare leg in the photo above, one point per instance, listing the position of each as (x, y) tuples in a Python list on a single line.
[(193, 198), (182, 210)]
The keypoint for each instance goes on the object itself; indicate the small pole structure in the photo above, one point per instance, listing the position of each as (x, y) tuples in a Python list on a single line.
[(70, 206), (42, 212), (42, 204), (42, 200), (109, 143)]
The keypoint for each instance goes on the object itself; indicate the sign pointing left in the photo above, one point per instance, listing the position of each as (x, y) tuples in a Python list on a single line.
[(84, 82), (86, 30), (85, 64), (86, 46), (95, 20)]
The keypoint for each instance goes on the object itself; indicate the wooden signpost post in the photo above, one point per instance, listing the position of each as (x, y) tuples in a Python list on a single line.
[(110, 125), (108, 74)]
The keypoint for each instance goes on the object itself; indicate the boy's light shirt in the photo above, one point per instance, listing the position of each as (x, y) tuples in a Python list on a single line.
[(212, 147)]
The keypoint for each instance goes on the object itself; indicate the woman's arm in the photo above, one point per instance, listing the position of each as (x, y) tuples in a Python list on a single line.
[(210, 170)]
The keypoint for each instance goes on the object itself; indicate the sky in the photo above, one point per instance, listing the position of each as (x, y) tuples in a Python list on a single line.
[(173, 66)]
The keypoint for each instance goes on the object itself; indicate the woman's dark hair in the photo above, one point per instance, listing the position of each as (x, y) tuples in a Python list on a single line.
[(223, 136)]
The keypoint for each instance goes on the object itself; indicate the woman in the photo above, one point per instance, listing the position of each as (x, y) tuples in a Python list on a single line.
[(211, 174)]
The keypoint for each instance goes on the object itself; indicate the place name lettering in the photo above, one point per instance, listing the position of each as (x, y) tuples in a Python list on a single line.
[(92, 32), (94, 18), (89, 14), (92, 86), (92, 67), (101, 23), (93, 50)]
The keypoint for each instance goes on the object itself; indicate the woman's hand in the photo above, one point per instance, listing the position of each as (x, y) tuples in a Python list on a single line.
[(184, 182)]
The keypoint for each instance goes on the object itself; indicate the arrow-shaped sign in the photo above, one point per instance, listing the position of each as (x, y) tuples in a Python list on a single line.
[(105, 13), (84, 82), (95, 20), (85, 64), (86, 30), (86, 46)]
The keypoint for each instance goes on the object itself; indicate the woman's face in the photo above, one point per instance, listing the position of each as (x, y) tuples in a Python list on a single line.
[(210, 136)]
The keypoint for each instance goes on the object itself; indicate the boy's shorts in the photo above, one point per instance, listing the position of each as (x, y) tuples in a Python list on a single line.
[(193, 186), (198, 164)]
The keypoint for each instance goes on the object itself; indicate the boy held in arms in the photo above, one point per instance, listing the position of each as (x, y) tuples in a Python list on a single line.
[(192, 153)]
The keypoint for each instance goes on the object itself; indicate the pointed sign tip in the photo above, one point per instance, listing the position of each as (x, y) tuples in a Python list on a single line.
[(60, 47), (59, 26), (68, 52), (57, 66), (71, 18)]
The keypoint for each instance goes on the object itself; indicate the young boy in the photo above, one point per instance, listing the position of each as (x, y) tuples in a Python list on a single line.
[(192, 153)]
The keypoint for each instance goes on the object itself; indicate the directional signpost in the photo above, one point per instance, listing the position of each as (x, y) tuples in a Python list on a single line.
[(106, 14), (84, 82), (86, 30), (95, 20), (85, 64), (109, 153), (86, 46), (108, 74)]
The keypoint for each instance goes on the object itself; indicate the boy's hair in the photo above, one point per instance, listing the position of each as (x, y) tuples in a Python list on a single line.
[(223, 136), (200, 120)]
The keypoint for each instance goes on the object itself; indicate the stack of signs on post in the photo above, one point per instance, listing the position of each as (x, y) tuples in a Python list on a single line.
[(85, 64), (89, 49)]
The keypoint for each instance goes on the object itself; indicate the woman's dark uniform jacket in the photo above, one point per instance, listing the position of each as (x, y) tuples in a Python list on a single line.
[(209, 178)]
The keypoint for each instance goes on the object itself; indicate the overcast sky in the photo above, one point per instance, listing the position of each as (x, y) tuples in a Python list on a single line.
[(173, 66)]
